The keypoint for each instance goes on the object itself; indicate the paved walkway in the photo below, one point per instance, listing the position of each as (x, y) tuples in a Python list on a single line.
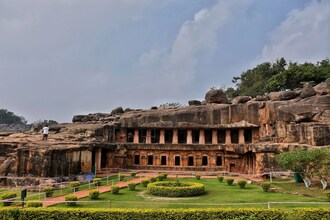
[(85, 193)]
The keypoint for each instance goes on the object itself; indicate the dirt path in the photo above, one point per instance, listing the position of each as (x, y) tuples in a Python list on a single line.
[(85, 193)]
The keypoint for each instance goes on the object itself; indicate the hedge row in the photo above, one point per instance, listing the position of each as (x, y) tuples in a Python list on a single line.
[(143, 214), (311, 214), (172, 189)]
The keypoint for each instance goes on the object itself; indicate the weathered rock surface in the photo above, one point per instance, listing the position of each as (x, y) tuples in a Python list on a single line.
[(216, 96), (307, 91), (117, 111), (323, 88), (241, 99), (194, 102)]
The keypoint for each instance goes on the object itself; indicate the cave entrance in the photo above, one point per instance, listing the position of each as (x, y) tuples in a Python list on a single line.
[(104, 158)]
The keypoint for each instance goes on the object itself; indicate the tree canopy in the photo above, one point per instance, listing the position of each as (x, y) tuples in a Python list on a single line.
[(278, 76), (9, 118)]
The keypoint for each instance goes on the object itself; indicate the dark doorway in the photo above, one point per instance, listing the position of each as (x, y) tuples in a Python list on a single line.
[(155, 136), (142, 135), (234, 136), (177, 160), (190, 161), (219, 161), (168, 136), (195, 136), (221, 136), (137, 159), (163, 160), (232, 167), (130, 135), (104, 158), (248, 135), (204, 160), (208, 136), (182, 136), (150, 159)]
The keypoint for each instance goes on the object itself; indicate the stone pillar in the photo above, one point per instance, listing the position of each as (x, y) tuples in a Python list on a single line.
[(201, 136), (189, 136), (98, 153), (136, 136), (175, 136), (214, 136), (241, 136), (162, 136), (148, 137), (228, 137)]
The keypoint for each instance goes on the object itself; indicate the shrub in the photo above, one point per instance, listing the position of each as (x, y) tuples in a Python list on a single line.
[(198, 176), (311, 213), (161, 176), (75, 185), (49, 191), (230, 181), (115, 189), (152, 179), (266, 186), (97, 181), (133, 174), (241, 183), (220, 178), (9, 196), (34, 204), (145, 182), (71, 198), (94, 194), (326, 193), (165, 175), (131, 186), (121, 176), (176, 189)]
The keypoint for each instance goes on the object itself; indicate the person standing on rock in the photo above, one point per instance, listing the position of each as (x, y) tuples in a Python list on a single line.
[(45, 131)]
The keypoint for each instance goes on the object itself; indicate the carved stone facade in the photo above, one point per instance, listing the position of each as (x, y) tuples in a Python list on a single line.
[(240, 138)]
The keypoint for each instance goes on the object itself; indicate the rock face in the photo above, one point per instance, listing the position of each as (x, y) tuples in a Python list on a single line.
[(216, 96), (194, 102), (241, 137)]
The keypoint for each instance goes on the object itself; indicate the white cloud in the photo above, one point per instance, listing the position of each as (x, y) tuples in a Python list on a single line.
[(303, 36)]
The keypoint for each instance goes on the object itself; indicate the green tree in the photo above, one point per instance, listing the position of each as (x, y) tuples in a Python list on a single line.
[(307, 163), (9, 118)]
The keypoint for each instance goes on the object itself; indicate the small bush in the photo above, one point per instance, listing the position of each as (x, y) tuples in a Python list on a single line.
[(326, 193), (311, 213), (241, 183), (230, 181), (131, 186), (133, 174), (198, 176), (220, 178), (34, 204), (121, 176), (176, 189), (49, 191), (97, 181), (115, 189), (266, 186), (152, 179), (165, 175), (8, 195), (75, 185), (145, 182), (94, 194), (71, 198)]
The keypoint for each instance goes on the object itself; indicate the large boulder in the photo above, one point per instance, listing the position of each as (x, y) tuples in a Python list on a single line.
[(194, 102), (285, 95), (323, 88), (307, 91), (216, 96), (241, 99), (117, 111)]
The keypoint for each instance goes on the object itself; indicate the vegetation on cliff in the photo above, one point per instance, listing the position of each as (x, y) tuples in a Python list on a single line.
[(278, 76), (9, 118)]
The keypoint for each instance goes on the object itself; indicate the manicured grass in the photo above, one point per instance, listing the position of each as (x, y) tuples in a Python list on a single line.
[(216, 193)]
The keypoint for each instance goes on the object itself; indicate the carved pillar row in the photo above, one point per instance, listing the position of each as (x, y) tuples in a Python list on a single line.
[(189, 136), (228, 137), (162, 136), (175, 136), (136, 136), (214, 136), (241, 136), (148, 137), (201, 136)]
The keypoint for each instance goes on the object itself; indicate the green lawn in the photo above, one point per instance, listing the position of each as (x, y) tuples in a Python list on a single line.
[(216, 193)]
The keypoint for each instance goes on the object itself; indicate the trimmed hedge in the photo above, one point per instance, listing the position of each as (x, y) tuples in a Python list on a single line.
[(230, 181), (327, 194), (241, 183), (94, 194), (266, 186), (131, 186), (75, 185), (121, 176), (311, 213), (177, 189), (97, 181), (220, 178), (9, 196), (145, 182), (115, 189), (34, 204), (198, 176), (49, 191), (71, 198), (143, 214)]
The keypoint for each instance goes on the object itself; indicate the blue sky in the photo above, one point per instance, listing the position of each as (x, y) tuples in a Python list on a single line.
[(59, 58)]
